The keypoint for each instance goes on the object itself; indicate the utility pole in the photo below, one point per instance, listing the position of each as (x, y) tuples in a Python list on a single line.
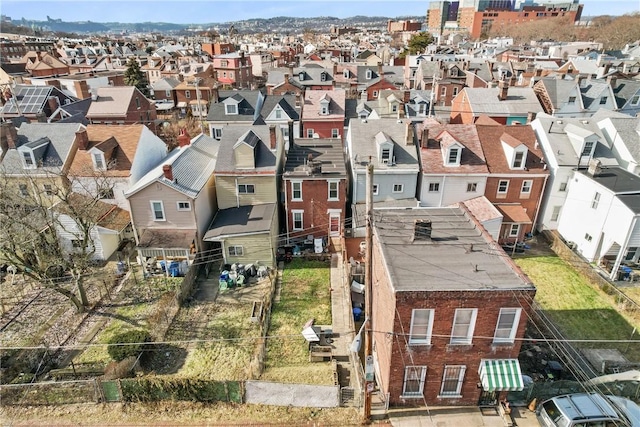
[(199, 105), (368, 282)]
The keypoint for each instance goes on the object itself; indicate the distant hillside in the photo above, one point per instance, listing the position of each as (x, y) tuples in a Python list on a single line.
[(248, 26)]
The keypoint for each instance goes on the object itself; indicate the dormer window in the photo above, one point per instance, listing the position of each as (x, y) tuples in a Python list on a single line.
[(27, 160), (369, 74), (518, 160), (385, 155), (345, 74), (453, 157), (587, 149), (301, 76), (323, 77), (231, 109), (98, 161)]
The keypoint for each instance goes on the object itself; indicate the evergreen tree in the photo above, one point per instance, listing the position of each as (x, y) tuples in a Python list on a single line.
[(134, 76)]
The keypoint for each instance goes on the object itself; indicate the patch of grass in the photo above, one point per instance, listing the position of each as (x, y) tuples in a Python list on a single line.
[(579, 310), (305, 294), (228, 359)]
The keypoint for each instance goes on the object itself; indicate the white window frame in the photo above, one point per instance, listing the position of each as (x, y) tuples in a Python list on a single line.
[(374, 94), (153, 210), (294, 213), (443, 91), (555, 213), (434, 187), (514, 230), (217, 133), (235, 250), (246, 188), (187, 94), (335, 133), (398, 188), (527, 184), (331, 184), (230, 109), (453, 156), (167, 93), (310, 133), (376, 189), (506, 187), (472, 187), (458, 324), (507, 334), (411, 374), (635, 100), (420, 332), (452, 373), (186, 206), (98, 161), (32, 161), (295, 184), (24, 190), (595, 201), (455, 91), (48, 189), (519, 157), (563, 186)]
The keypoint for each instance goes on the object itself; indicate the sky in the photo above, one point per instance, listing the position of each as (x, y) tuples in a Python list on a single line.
[(206, 11)]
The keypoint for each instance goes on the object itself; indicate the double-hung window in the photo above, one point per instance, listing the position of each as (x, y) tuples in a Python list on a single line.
[(421, 326), (157, 207), (452, 380), (413, 384), (507, 325), (463, 325), (298, 223), (296, 190)]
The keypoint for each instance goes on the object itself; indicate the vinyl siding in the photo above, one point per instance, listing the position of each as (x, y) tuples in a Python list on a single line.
[(385, 186), (68, 230), (143, 216), (265, 191)]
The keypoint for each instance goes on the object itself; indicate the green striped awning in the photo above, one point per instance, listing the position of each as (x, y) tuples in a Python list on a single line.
[(501, 375)]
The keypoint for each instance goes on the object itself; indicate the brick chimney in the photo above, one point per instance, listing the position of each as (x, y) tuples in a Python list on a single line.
[(335, 68), (406, 96), (168, 172), (82, 90), (53, 82), (613, 81), (408, 133), (504, 90), (291, 64), (425, 137), (82, 139), (272, 137), (8, 136), (183, 138), (52, 103)]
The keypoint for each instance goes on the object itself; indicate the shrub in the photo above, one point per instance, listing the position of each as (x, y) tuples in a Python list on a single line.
[(126, 344)]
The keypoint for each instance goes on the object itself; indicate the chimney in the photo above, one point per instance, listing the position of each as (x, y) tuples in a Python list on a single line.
[(55, 83), (612, 80), (406, 96), (531, 116), (380, 72), (286, 77), (291, 68), (214, 94), (422, 229), (291, 140), (298, 101), (183, 138), (8, 136), (424, 141), (82, 90), (335, 68), (408, 134), (538, 72), (594, 167), (82, 139), (504, 90), (52, 103), (180, 77), (168, 172), (272, 137)]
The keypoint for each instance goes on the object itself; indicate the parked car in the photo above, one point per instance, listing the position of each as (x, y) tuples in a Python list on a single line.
[(588, 410)]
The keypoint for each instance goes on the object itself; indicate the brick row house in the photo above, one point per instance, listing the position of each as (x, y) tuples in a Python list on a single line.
[(233, 70), (124, 105), (315, 188), (448, 310)]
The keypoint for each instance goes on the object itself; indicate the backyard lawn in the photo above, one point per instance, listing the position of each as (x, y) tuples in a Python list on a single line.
[(581, 311), (305, 294)]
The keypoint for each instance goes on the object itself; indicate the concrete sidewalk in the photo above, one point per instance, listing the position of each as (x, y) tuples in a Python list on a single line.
[(459, 416)]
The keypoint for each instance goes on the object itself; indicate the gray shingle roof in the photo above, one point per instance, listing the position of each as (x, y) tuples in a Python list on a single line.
[(251, 219), (265, 159), (363, 145), (61, 137), (520, 101)]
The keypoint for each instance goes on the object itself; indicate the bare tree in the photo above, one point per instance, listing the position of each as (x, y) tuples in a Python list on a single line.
[(31, 223)]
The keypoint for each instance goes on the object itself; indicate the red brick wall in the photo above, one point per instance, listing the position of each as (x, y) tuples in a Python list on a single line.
[(323, 128), (393, 353), (315, 205)]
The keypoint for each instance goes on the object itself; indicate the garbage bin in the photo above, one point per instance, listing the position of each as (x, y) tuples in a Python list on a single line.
[(357, 313)]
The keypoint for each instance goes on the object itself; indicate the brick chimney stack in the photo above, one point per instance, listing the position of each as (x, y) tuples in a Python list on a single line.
[(168, 172), (408, 132), (425, 137), (183, 138), (504, 90), (82, 138), (82, 90), (8, 136), (272, 137)]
